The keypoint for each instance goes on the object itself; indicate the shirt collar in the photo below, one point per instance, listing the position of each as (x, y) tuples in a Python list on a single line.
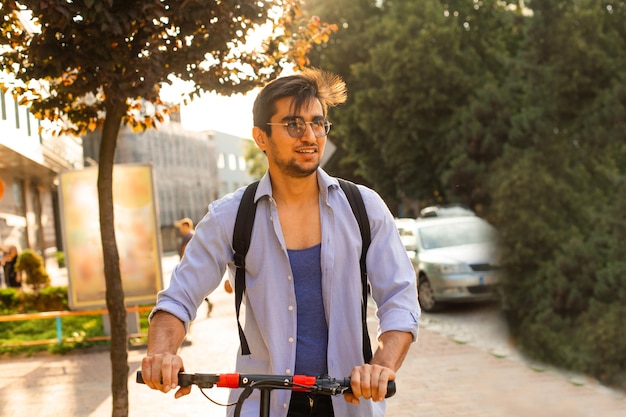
[(325, 182)]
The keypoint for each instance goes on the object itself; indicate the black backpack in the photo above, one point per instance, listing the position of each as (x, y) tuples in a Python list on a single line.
[(241, 244)]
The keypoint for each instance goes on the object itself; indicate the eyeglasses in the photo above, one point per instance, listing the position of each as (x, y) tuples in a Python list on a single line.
[(297, 126)]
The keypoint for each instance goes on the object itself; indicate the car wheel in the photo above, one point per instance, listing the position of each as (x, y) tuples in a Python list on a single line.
[(426, 295)]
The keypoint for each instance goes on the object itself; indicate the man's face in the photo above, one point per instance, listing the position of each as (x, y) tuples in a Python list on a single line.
[(292, 156)]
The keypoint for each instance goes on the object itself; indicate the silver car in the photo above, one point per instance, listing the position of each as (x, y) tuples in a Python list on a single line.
[(455, 259)]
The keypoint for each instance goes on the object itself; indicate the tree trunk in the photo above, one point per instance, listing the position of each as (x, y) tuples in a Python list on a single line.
[(114, 290)]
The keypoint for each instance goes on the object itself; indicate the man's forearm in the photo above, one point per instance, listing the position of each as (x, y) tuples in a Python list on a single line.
[(393, 347), (165, 334)]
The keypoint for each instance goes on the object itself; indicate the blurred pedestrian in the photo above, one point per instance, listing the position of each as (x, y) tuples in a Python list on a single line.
[(185, 226), (11, 276)]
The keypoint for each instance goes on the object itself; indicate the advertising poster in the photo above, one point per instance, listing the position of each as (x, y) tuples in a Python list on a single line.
[(136, 230)]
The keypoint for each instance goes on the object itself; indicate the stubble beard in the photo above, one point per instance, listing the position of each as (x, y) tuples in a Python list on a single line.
[(294, 169)]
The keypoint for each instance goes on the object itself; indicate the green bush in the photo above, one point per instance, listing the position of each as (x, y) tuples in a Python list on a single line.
[(60, 257), (78, 327), (51, 299), (564, 253), (13, 301), (8, 300), (31, 265)]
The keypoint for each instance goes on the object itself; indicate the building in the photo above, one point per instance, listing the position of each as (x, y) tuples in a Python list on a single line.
[(184, 168), (29, 164), (191, 169), (231, 164)]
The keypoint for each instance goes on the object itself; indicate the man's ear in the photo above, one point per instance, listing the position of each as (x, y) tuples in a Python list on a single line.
[(260, 137)]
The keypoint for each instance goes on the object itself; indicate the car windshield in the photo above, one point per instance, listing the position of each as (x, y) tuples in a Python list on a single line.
[(456, 234)]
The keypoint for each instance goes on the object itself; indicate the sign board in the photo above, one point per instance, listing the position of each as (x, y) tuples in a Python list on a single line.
[(136, 231)]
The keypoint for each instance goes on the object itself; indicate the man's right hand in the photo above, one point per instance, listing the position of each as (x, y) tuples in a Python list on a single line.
[(160, 372)]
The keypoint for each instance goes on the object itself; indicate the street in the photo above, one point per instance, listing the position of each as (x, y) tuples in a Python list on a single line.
[(478, 324), (443, 375)]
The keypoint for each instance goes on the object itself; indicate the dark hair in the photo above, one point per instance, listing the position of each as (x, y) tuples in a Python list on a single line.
[(308, 85)]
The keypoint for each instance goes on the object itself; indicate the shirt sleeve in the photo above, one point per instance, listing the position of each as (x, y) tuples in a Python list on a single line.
[(390, 272), (202, 268)]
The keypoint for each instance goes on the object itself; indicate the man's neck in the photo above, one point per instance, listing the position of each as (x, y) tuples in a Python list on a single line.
[(294, 190)]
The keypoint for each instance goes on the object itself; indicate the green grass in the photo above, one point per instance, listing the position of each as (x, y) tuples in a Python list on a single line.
[(15, 335)]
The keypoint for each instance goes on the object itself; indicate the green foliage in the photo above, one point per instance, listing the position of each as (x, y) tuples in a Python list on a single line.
[(60, 257), (409, 67), (50, 299), (79, 328), (30, 264), (520, 113), (93, 55), (8, 299), (95, 64), (257, 162), (13, 301)]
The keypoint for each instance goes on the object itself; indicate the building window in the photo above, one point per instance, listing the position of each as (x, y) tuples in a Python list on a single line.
[(232, 162), (3, 105), (28, 116), (9, 110), (242, 163), (220, 161), (18, 197), (17, 114), (224, 188)]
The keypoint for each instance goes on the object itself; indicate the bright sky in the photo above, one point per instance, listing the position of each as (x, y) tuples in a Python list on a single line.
[(232, 115)]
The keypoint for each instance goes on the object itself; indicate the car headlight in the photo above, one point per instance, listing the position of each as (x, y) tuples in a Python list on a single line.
[(454, 268)]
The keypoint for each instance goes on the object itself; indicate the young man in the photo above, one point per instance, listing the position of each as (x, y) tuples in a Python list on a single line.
[(303, 284)]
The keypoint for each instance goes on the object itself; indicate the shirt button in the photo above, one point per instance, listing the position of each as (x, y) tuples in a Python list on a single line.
[(287, 371), (290, 308), (291, 340), (285, 406), (289, 277)]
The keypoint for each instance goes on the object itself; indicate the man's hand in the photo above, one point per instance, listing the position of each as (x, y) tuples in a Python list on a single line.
[(369, 382), (160, 372), (161, 365)]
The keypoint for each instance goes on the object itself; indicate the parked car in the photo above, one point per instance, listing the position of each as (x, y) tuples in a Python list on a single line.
[(446, 211), (455, 259), (406, 228)]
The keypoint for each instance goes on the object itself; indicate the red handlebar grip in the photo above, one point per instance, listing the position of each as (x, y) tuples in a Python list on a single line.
[(305, 380), (228, 381)]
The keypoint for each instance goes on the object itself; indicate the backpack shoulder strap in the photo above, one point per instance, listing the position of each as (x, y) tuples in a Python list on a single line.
[(358, 208), (241, 243)]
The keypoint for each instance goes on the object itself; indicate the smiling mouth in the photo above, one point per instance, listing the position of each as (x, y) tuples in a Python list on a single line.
[(307, 151)]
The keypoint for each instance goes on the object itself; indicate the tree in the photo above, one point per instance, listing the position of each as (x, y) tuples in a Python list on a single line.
[(257, 162), (91, 63), (410, 66), (516, 108), (557, 188), (346, 48)]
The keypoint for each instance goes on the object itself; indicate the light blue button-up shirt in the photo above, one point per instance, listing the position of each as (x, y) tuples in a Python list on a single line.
[(270, 300)]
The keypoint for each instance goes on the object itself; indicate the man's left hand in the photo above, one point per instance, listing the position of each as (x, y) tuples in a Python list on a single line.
[(369, 382)]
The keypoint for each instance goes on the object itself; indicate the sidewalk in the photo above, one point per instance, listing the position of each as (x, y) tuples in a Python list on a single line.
[(439, 378)]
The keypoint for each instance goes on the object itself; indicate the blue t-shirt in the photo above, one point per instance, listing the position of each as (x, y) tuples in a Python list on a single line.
[(312, 329)]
